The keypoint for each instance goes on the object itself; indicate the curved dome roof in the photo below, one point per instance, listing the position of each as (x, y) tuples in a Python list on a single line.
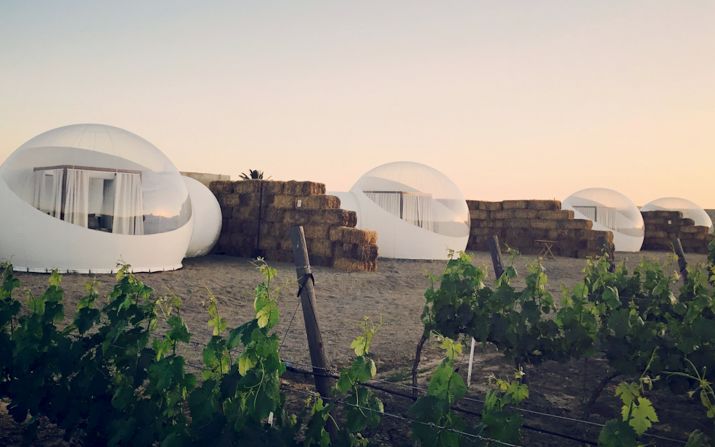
[(609, 210), (690, 209), (409, 176), (104, 139)]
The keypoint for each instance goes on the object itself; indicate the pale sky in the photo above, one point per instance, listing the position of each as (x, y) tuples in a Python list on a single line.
[(510, 99)]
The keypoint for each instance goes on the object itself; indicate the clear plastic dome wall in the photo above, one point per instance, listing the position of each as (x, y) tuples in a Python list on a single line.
[(416, 210), (86, 197), (207, 218), (609, 210), (689, 209)]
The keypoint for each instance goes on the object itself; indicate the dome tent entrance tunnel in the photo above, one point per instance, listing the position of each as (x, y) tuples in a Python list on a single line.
[(86, 197)]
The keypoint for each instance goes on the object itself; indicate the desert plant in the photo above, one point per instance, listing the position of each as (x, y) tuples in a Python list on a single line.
[(253, 174)]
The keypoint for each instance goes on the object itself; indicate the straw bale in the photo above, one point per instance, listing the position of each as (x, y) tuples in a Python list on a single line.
[(481, 231), (272, 214), (247, 186), (270, 243), (575, 224), (312, 188), (690, 229), (555, 215), (490, 206), (544, 224), (317, 231), (319, 247), (478, 214), (663, 214), (353, 235), (321, 202), (501, 215), (525, 214), (334, 217), (291, 188), (229, 200), (544, 205), (514, 204), (283, 201), (296, 217), (219, 187), (273, 187), (518, 223), (245, 213), (365, 252), (249, 200)]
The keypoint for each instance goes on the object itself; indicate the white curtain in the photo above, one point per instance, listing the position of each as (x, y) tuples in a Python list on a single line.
[(77, 197), (588, 211), (417, 210), (48, 191), (128, 204), (388, 201), (607, 217)]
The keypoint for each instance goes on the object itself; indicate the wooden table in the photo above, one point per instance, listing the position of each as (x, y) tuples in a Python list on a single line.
[(546, 246)]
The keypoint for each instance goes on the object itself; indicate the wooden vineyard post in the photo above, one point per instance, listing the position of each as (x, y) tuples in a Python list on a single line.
[(498, 271), (318, 359), (682, 262), (495, 251)]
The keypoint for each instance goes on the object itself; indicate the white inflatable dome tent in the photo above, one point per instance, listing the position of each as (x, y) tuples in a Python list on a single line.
[(417, 211), (689, 209), (207, 218), (85, 197), (609, 210)]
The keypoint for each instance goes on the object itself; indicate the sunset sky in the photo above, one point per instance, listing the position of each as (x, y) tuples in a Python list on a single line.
[(510, 99)]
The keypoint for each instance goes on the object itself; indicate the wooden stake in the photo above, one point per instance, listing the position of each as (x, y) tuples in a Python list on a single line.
[(312, 329), (495, 251), (682, 262)]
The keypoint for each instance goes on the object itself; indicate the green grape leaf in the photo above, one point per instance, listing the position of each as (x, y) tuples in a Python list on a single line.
[(628, 392), (617, 434), (245, 363), (642, 416)]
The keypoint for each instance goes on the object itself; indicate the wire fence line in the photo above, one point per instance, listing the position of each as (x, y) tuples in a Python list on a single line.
[(332, 373), (464, 434), (377, 384)]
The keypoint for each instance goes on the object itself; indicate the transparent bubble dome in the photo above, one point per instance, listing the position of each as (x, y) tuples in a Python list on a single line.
[(418, 194), (100, 177), (690, 209), (611, 210)]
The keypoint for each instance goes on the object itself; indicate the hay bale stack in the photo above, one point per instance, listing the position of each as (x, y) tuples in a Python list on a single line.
[(662, 227), (520, 223), (258, 215)]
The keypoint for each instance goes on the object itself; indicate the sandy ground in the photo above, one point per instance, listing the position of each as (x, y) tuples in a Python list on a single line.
[(393, 295)]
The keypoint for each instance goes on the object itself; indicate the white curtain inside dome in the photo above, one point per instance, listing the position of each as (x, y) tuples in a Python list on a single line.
[(128, 205), (388, 201), (48, 191), (604, 215), (76, 207), (415, 208)]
